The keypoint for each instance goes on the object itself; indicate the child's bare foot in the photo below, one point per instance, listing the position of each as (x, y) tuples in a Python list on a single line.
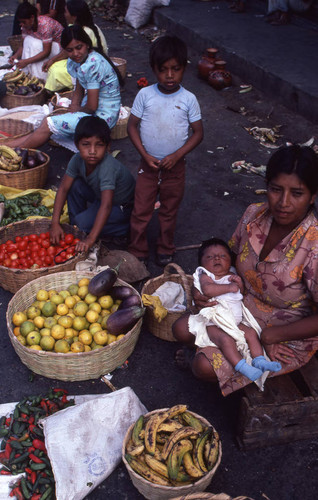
[(184, 357)]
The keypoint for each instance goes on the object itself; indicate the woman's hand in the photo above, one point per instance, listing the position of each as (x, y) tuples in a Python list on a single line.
[(201, 300), (22, 64), (279, 352), (46, 66)]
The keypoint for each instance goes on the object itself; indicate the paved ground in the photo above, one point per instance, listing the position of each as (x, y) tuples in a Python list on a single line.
[(214, 201)]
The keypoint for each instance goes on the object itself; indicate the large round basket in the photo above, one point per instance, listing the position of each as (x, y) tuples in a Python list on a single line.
[(121, 65), (71, 366), (210, 496), (163, 330), (157, 492), (15, 42), (14, 128), (29, 178), (13, 101), (13, 279), (120, 129), (67, 94)]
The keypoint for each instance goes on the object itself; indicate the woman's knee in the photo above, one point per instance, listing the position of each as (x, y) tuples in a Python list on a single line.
[(202, 368)]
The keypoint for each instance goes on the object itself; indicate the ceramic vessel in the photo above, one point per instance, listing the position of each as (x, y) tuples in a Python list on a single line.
[(206, 63), (220, 78)]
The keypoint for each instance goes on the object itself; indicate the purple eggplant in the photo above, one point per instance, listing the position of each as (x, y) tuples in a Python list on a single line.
[(132, 300), (121, 292), (121, 321)]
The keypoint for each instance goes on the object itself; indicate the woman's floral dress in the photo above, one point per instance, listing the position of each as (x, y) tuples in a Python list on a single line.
[(279, 290)]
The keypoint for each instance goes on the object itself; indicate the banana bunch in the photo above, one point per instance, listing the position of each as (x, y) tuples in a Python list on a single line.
[(172, 447), (17, 78), (9, 159)]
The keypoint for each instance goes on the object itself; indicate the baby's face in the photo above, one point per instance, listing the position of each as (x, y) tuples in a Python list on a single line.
[(217, 260)]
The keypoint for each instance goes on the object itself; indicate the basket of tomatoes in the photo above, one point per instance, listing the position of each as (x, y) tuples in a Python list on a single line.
[(26, 252)]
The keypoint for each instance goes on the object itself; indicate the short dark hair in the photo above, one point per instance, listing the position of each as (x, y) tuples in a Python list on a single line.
[(75, 32), (26, 11), (295, 159), (92, 126), (165, 48), (213, 242)]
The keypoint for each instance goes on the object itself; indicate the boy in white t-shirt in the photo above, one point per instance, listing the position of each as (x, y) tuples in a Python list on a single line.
[(158, 127)]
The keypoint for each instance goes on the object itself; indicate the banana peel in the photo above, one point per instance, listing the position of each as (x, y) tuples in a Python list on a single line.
[(154, 302)]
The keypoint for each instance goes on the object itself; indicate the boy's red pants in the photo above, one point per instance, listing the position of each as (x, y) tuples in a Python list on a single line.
[(169, 184)]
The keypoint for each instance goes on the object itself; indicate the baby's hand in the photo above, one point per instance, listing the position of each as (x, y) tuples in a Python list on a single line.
[(237, 281), (233, 287)]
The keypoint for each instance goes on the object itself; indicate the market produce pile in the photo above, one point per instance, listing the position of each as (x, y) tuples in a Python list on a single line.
[(20, 83), (23, 447), (21, 207), (172, 447), (14, 160)]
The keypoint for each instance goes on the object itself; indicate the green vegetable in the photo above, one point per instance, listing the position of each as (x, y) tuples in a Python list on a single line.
[(22, 207)]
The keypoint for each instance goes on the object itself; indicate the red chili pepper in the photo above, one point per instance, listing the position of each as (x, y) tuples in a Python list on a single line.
[(31, 419), (44, 405), (38, 444), (17, 493), (36, 497), (8, 421), (33, 477), (4, 472), (31, 449), (60, 390), (7, 450), (31, 427), (24, 415), (28, 470), (2, 455), (43, 474), (64, 399), (35, 459)]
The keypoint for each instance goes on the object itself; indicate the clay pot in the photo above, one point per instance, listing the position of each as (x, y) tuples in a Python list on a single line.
[(206, 63), (219, 78)]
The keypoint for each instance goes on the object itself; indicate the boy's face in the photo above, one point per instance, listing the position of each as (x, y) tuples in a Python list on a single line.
[(217, 260), (92, 150), (169, 76)]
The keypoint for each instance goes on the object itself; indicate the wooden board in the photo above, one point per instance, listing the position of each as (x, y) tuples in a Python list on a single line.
[(286, 411)]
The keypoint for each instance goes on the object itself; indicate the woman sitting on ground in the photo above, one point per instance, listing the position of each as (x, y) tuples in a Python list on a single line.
[(76, 12), (276, 248), (41, 40), (97, 76)]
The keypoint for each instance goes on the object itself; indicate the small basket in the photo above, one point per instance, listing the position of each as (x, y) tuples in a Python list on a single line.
[(29, 178), (15, 128), (15, 42), (68, 94), (163, 330), (156, 492), (120, 129), (13, 101), (13, 279), (71, 366), (121, 65)]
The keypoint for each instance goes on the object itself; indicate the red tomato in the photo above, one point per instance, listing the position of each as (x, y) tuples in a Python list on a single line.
[(44, 236), (28, 250), (9, 242), (35, 247), (58, 259), (7, 262), (45, 243), (51, 250), (18, 238), (42, 252), (2, 255), (12, 247), (69, 239), (34, 255), (48, 260), (58, 250), (76, 240), (62, 243), (63, 255), (70, 250), (22, 254), (33, 237), (25, 238), (22, 245), (24, 263), (14, 264), (14, 256), (39, 262)]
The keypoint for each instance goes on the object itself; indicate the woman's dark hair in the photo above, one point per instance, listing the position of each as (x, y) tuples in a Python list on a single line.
[(295, 159), (213, 242), (76, 32), (92, 126), (165, 48), (26, 11), (80, 10)]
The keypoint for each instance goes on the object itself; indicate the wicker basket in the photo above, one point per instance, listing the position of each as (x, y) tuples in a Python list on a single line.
[(15, 128), (29, 178), (154, 491), (15, 42), (71, 366), (121, 65), (13, 101), (163, 330), (120, 129), (68, 94), (210, 496), (14, 279)]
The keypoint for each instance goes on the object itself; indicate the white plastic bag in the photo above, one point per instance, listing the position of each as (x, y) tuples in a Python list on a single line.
[(84, 441), (139, 11)]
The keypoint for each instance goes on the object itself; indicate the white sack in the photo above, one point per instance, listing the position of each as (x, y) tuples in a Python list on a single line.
[(139, 11), (172, 296), (84, 441)]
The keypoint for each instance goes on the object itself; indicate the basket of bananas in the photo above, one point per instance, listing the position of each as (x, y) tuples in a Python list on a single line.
[(23, 168), (171, 452), (22, 90)]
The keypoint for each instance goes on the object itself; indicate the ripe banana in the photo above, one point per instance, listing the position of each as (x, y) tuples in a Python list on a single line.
[(136, 431), (143, 470), (176, 456), (189, 466), (211, 450), (8, 152), (15, 78), (198, 450), (156, 465), (6, 164), (169, 426), (134, 450), (11, 74), (153, 424), (184, 432), (191, 420)]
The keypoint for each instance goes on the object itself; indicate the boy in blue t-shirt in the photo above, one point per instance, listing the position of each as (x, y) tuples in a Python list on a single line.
[(98, 188), (158, 127)]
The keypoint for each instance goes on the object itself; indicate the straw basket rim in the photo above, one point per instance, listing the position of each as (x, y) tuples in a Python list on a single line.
[(157, 492), (12, 122), (33, 169), (14, 279), (69, 366), (163, 329), (13, 101), (61, 94)]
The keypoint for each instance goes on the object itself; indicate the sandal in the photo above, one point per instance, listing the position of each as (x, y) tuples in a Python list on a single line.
[(184, 357), (163, 259)]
